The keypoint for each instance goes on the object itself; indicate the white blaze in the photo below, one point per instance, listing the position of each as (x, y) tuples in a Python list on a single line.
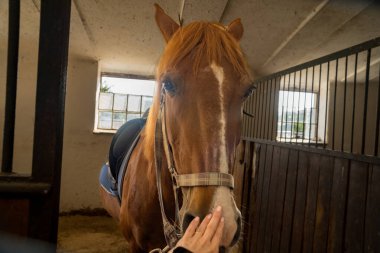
[(219, 75)]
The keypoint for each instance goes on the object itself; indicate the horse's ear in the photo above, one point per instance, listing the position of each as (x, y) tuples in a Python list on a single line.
[(166, 24), (235, 28)]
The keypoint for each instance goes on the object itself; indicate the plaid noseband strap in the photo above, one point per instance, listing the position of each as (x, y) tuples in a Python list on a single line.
[(205, 179)]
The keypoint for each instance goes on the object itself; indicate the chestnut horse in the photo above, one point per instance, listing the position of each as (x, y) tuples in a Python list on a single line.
[(202, 81)]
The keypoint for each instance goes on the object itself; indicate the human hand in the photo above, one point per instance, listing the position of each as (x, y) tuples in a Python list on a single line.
[(206, 237)]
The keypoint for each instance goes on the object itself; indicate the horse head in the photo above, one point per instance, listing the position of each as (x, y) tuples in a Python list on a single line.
[(205, 79)]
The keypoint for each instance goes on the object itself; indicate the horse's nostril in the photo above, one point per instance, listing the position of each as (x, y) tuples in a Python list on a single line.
[(238, 230), (186, 221)]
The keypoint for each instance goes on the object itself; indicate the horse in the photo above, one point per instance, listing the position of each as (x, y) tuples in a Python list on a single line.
[(181, 162)]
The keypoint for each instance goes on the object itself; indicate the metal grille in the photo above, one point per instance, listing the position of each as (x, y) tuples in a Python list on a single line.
[(330, 103)]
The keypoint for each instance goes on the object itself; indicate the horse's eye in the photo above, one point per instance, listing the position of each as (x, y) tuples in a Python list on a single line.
[(169, 86), (249, 92)]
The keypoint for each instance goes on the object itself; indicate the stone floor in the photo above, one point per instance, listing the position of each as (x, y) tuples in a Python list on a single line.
[(89, 234)]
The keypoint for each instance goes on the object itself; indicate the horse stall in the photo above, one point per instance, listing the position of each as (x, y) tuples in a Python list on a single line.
[(306, 171), (309, 162)]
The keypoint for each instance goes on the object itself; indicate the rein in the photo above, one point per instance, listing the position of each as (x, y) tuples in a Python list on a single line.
[(162, 148)]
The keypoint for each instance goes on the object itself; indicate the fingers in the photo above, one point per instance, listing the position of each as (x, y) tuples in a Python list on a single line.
[(214, 223), (192, 227), (215, 241), (202, 228)]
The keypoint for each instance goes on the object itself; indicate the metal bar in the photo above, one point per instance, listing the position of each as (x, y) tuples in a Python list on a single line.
[(271, 115), (251, 120), (327, 98), (11, 88), (258, 104), (354, 104), (282, 106), (334, 111), (265, 109), (292, 121), (261, 103), (126, 108), (331, 57), (311, 104), (344, 104), (113, 106), (49, 118), (366, 100), (304, 107), (298, 105), (318, 105), (275, 111), (255, 122), (287, 106), (376, 152), (357, 157)]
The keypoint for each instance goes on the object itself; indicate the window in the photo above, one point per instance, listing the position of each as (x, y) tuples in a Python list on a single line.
[(297, 116), (121, 98)]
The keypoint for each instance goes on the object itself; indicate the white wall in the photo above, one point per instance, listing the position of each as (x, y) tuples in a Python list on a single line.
[(83, 151)]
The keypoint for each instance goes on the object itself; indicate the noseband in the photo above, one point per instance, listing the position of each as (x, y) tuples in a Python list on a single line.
[(161, 146)]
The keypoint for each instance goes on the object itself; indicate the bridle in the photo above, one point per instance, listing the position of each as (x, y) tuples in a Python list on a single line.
[(161, 146)]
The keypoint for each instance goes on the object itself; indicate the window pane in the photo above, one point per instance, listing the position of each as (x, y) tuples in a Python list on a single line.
[(120, 103), (146, 103), (105, 120), (119, 119), (134, 103), (132, 116), (105, 101), (296, 117)]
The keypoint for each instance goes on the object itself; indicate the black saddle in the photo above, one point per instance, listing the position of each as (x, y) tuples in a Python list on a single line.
[(122, 145)]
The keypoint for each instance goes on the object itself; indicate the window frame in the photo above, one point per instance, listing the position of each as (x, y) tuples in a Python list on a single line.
[(313, 122), (98, 130)]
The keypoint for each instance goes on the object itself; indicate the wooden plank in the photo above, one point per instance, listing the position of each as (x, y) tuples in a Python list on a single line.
[(265, 198), (323, 204), (14, 216), (300, 202), (272, 198), (238, 173), (311, 203), (258, 198), (280, 196), (290, 192), (372, 217), (356, 207), (338, 205), (239, 178), (246, 197)]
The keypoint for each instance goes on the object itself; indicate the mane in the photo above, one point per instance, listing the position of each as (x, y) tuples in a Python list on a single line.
[(203, 41)]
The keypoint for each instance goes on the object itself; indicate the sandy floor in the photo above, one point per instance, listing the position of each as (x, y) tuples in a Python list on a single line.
[(89, 234)]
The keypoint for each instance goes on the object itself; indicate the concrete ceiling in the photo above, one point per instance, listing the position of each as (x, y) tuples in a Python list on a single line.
[(123, 35)]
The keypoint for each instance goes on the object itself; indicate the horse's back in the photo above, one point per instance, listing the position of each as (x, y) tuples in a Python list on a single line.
[(113, 171), (122, 142)]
